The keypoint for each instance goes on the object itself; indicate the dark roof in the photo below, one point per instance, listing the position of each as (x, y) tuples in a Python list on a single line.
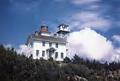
[(64, 32), (65, 25), (48, 38)]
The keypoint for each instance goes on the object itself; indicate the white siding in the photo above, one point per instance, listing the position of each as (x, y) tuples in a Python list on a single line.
[(37, 45)]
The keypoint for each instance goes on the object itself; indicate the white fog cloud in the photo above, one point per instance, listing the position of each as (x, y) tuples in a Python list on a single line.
[(88, 43), (89, 19), (8, 45), (116, 38), (115, 56), (77, 2), (24, 49), (91, 15)]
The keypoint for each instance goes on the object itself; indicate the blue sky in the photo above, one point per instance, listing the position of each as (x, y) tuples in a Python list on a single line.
[(94, 24), (20, 18)]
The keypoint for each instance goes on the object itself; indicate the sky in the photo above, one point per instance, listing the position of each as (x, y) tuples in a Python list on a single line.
[(94, 20)]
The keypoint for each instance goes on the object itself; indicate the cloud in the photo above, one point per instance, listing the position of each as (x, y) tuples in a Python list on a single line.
[(115, 56), (59, 0), (88, 43), (24, 49), (116, 38), (89, 19), (8, 45), (77, 2), (92, 14), (117, 22), (87, 4), (25, 5)]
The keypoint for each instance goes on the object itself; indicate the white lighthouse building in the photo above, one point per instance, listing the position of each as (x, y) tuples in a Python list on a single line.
[(45, 44)]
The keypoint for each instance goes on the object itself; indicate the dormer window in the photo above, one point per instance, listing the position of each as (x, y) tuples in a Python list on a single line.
[(43, 53), (43, 43), (63, 27), (50, 44), (37, 52), (56, 55), (62, 55), (56, 45)]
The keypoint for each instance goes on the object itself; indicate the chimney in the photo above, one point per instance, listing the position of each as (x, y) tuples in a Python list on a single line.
[(44, 29)]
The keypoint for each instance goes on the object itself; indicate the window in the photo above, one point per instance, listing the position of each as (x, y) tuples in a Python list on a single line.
[(43, 43), (56, 55), (37, 52), (43, 53), (62, 55), (56, 45), (50, 44), (50, 55)]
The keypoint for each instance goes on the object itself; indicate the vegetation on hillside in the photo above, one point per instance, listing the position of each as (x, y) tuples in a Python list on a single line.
[(16, 67)]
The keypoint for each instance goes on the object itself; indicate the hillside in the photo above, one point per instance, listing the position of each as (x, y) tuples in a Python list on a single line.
[(16, 67)]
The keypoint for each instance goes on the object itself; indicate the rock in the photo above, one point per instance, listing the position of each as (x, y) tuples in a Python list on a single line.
[(75, 78), (78, 78)]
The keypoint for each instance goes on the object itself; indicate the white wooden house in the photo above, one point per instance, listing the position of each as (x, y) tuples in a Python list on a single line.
[(45, 44)]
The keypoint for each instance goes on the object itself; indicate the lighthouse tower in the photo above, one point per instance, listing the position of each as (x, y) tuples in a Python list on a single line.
[(63, 30)]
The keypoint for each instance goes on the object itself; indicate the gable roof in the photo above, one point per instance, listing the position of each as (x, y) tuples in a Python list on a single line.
[(52, 39)]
